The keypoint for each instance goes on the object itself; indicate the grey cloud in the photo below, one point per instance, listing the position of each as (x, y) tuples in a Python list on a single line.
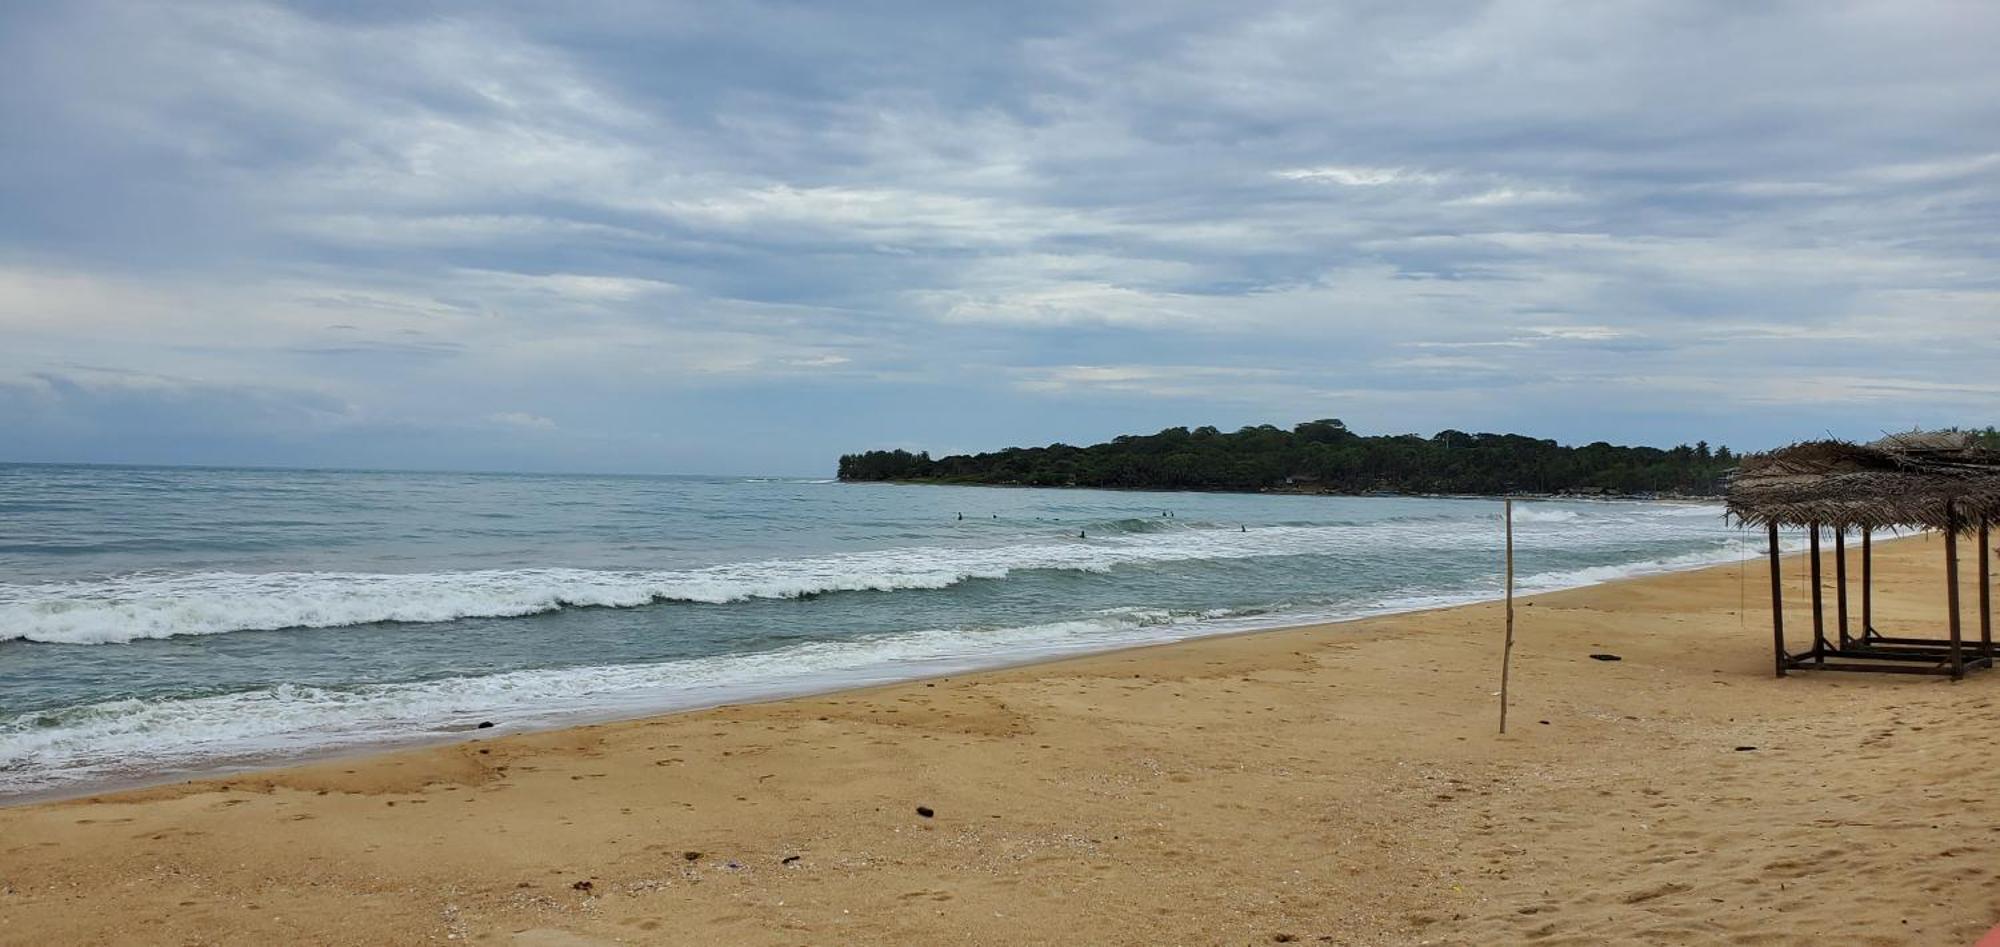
[(648, 200)]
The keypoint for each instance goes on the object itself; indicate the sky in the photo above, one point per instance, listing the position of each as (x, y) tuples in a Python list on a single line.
[(748, 237)]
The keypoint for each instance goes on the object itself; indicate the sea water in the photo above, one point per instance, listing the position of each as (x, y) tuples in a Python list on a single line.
[(161, 622)]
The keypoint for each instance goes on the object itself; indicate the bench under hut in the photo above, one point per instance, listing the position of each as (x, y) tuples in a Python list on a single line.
[(1937, 481)]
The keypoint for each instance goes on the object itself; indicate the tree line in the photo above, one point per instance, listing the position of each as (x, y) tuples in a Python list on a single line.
[(1320, 456)]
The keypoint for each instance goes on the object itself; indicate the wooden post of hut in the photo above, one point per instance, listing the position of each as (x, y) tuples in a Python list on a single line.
[(1819, 648), (1986, 552), (1867, 584), (1840, 584), (1777, 603), (1951, 587)]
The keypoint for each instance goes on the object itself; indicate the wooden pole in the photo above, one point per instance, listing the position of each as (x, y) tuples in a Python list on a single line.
[(1840, 583), (1867, 584), (1819, 613), (1507, 652), (1986, 592), (1777, 603), (1951, 587)]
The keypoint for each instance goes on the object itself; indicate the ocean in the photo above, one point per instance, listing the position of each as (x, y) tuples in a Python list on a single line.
[(157, 623)]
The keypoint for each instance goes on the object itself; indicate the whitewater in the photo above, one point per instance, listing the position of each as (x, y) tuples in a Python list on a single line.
[(158, 622)]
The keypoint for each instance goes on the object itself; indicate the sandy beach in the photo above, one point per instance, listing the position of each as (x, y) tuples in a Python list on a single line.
[(1337, 784)]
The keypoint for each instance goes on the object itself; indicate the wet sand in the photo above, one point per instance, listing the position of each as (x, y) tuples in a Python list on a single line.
[(1337, 784)]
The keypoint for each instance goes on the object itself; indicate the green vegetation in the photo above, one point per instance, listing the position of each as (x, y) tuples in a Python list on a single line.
[(1319, 457)]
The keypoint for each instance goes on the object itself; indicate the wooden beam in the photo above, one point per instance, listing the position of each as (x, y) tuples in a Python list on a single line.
[(1951, 587), (1840, 583), (1885, 668), (1818, 609), (1867, 583), (1985, 589), (1777, 603)]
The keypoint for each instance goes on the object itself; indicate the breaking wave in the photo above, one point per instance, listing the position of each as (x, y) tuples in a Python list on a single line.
[(164, 605), (99, 742), (1526, 513), (145, 606)]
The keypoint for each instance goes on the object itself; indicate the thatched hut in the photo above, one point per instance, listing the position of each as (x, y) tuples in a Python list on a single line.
[(1936, 481)]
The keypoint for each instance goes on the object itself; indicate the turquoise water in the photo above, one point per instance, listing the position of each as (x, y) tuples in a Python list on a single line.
[(156, 622)]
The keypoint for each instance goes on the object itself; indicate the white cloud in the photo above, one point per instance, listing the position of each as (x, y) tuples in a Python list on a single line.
[(1576, 333), (1060, 303), (521, 420), (1358, 176), (1505, 196), (1160, 381)]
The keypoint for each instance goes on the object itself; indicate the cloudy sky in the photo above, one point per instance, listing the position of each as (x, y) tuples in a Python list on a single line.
[(713, 237)]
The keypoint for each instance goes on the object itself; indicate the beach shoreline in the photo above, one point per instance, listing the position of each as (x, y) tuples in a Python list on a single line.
[(1319, 784), (473, 732), (251, 763)]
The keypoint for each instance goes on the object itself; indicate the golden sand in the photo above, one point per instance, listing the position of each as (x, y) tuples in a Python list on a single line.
[(1339, 784)]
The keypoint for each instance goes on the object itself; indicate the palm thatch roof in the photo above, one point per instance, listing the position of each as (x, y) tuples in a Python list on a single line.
[(1901, 480)]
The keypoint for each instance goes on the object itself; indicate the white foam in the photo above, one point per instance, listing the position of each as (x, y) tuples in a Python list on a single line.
[(1524, 513), (1710, 511), (147, 606), (1722, 554), (155, 737)]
